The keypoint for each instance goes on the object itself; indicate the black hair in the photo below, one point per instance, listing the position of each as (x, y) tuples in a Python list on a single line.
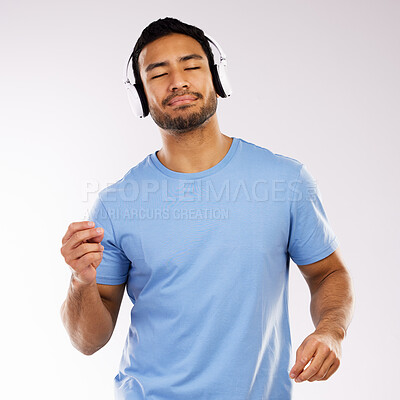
[(163, 27)]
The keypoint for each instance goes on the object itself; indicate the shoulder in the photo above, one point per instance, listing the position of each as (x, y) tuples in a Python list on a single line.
[(263, 157), (128, 184)]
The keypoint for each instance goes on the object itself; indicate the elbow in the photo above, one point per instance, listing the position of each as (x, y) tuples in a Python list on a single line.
[(86, 350), (86, 345), (83, 345)]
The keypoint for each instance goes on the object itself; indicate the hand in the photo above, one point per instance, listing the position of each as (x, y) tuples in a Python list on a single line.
[(82, 250), (323, 349)]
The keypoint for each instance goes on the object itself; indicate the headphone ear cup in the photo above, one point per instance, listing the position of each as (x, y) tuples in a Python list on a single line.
[(143, 98), (223, 79), (137, 99), (220, 80), (217, 82)]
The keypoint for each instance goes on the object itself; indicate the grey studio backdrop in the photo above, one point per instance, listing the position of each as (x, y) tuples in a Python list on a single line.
[(314, 80)]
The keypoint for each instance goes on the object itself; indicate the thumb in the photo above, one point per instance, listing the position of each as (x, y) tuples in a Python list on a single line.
[(303, 356), (96, 239)]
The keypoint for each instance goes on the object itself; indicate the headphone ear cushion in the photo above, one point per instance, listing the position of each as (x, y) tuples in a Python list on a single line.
[(143, 98), (217, 82), (223, 79)]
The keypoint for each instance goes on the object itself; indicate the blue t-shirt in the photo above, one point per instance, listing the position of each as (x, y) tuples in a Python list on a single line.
[(206, 259)]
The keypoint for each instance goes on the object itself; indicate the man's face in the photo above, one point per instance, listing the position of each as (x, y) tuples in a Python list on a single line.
[(178, 83)]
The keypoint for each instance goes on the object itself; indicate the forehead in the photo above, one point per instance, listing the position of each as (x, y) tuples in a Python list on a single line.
[(169, 48)]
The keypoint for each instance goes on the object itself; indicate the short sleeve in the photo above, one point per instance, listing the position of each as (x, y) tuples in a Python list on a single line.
[(311, 238), (114, 267)]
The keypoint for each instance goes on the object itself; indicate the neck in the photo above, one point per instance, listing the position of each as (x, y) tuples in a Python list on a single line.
[(196, 150)]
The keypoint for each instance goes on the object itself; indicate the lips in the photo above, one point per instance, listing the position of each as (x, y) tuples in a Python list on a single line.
[(182, 100)]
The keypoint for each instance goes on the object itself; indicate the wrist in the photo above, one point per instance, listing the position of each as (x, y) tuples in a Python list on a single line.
[(77, 284), (334, 330)]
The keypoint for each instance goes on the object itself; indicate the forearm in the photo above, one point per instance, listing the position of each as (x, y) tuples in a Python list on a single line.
[(332, 303), (85, 317)]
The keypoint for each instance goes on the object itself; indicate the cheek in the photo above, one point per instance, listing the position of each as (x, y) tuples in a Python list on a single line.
[(212, 92), (208, 86), (152, 92), (154, 99), (212, 88)]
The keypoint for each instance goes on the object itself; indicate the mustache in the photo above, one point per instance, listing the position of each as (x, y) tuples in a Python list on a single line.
[(172, 96)]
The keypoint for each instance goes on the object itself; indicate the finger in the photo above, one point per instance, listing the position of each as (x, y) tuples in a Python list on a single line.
[(85, 261), (334, 367), (312, 358), (82, 236), (96, 239), (319, 371), (303, 356), (315, 365), (75, 227), (82, 249), (324, 368)]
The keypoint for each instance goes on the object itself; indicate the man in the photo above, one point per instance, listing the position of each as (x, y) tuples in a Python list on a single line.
[(202, 232)]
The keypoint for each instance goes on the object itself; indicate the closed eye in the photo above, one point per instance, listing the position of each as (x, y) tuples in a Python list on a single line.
[(157, 76)]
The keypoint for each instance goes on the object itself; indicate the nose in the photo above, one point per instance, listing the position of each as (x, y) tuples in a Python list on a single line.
[(177, 81)]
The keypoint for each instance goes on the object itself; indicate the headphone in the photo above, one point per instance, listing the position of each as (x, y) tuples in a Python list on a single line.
[(137, 97)]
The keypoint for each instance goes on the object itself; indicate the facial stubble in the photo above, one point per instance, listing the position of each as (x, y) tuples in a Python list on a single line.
[(188, 121)]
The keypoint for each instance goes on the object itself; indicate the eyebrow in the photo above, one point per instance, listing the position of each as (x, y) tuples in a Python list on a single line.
[(150, 67)]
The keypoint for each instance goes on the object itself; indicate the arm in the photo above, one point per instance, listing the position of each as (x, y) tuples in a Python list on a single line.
[(331, 292), (89, 314), (332, 303), (90, 311)]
